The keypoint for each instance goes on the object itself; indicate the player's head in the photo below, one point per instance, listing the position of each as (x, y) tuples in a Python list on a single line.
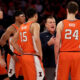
[(19, 16), (50, 24), (72, 7), (32, 13)]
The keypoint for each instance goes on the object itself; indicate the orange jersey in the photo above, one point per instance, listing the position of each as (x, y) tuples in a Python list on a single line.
[(70, 36), (26, 38), (16, 27), (11, 47)]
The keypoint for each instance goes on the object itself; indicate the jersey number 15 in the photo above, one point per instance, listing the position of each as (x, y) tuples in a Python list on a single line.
[(23, 36)]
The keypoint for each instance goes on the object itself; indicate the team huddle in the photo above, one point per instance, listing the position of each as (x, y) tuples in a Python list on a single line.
[(24, 59)]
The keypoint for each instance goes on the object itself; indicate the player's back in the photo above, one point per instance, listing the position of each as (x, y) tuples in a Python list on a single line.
[(26, 38), (70, 36)]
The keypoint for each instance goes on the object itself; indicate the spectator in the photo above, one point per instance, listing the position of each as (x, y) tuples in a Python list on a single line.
[(47, 40), (38, 6), (11, 10)]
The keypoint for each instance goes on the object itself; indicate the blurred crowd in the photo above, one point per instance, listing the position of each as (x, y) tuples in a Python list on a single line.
[(56, 8)]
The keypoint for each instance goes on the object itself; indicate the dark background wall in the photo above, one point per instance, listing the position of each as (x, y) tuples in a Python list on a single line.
[(57, 8)]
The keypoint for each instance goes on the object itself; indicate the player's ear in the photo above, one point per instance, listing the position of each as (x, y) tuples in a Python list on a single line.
[(67, 11), (35, 15), (76, 12), (16, 17)]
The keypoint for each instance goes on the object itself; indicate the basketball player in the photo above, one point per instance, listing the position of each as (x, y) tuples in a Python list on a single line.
[(68, 35), (1, 17), (30, 49), (11, 30), (3, 71), (2, 63)]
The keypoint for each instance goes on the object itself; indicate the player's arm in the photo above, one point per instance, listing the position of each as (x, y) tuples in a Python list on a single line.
[(14, 42), (58, 40), (36, 33), (0, 51), (10, 30), (2, 62)]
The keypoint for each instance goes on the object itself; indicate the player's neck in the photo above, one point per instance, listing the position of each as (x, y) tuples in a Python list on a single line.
[(17, 24), (31, 20), (71, 17)]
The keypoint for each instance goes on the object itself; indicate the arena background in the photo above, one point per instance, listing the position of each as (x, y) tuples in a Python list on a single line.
[(57, 8)]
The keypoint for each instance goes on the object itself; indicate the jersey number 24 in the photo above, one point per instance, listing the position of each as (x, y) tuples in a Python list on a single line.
[(69, 34)]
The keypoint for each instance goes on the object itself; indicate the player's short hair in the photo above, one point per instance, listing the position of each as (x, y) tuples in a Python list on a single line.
[(18, 12), (72, 7), (31, 12)]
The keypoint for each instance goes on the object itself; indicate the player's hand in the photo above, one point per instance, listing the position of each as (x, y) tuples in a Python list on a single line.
[(2, 42), (7, 78), (56, 59), (15, 58), (2, 62), (40, 56)]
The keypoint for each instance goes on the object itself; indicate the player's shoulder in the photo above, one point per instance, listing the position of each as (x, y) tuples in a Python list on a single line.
[(60, 26), (11, 27), (60, 23), (37, 25)]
